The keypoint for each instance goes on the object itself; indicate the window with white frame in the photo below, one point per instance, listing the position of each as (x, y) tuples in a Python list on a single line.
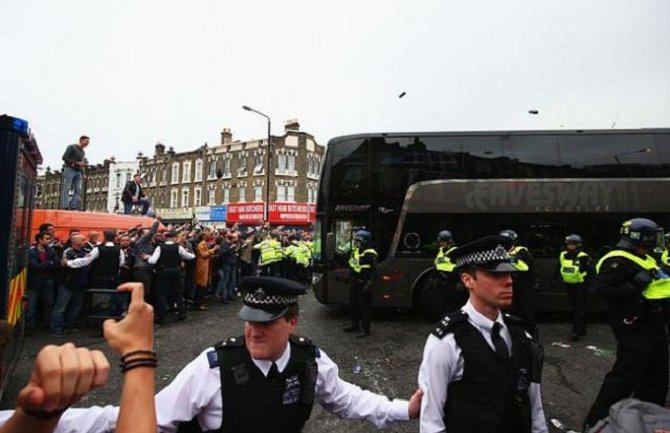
[(197, 196), (285, 192), (173, 198), (226, 194), (281, 163), (290, 163), (242, 193), (184, 197), (175, 173), (258, 193), (187, 172), (242, 168), (164, 175), (259, 162), (128, 176), (211, 195), (211, 172), (226, 167), (118, 180), (197, 177)]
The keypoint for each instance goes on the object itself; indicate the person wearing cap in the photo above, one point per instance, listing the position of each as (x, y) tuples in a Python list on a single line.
[(524, 278), (272, 255), (481, 368), (264, 381), (575, 269), (636, 291), (133, 195), (167, 259)]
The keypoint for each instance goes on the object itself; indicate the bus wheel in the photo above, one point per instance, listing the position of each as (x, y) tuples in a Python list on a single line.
[(431, 298)]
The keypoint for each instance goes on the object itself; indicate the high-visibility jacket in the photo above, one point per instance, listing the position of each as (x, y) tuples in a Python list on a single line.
[(665, 258), (354, 259), (271, 251), (298, 252), (659, 288), (444, 263), (519, 264), (570, 268)]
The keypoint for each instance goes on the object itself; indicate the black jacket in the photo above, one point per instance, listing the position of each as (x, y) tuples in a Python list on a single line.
[(130, 190)]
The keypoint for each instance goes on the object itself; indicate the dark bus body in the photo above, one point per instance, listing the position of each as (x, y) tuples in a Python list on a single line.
[(19, 158), (406, 187)]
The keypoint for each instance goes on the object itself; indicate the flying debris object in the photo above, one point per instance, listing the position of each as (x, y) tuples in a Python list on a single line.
[(402, 94), (533, 112)]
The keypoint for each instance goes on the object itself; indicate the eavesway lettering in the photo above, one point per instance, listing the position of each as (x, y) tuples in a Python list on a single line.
[(541, 197)]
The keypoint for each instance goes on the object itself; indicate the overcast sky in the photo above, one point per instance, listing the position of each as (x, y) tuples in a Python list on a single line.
[(129, 73)]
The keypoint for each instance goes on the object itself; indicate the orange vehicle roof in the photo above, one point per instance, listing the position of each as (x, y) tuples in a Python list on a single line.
[(65, 220)]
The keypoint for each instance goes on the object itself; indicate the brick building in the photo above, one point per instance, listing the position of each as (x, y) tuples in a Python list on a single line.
[(233, 172)]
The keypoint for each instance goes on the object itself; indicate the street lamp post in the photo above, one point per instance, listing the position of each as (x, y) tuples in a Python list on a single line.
[(266, 213)]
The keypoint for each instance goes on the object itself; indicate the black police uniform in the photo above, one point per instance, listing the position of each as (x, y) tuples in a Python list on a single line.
[(578, 293), (105, 269), (638, 324), (169, 280), (361, 285)]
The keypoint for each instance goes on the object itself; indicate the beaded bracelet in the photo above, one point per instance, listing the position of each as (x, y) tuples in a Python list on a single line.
[(138, 358)]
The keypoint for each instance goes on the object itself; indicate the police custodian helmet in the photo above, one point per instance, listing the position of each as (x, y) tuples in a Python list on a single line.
[(364, 236), (511, 234), (641, 232)]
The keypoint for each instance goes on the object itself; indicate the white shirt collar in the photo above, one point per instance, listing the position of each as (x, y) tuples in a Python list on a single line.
[(109, 244), (479, 320), (265, 364), (168, 242)]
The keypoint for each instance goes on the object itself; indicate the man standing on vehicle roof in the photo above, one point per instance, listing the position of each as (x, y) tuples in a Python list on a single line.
[(637, 291), (481, 369), (362, 275), (524, 279), (74, 162), (575, 268)]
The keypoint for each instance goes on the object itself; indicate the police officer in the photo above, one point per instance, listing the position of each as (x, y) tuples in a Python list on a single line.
[(446, 245), (636, 291), (481, 369), (362, 277), (264, 381), (296, 260), (524, 279), (167, 258), (665, 255), (575, 269), (105, 260), (271, 255)]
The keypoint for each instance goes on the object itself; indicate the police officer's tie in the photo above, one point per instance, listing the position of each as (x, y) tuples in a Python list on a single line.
[(498, 343), (273, 372)]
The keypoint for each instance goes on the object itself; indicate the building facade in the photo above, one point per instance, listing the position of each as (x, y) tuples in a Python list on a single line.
[(233, 172), (120, 172), (181, 184)]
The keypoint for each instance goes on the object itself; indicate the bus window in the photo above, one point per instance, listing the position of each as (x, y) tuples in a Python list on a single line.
[(484, 158), (532, 156), (350, 172), (631, 155), (344, 234)]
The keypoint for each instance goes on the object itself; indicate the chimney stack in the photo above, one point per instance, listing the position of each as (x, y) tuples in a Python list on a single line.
[(292, 125), (159, 149), (226, 136)]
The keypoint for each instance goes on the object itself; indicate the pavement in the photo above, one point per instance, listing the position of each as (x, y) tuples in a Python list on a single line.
[(386, 363)]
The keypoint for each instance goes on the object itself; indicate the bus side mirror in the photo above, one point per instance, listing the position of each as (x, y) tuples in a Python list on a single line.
[(330, 246)]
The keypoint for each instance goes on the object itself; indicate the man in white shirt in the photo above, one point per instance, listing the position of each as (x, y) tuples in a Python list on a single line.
[(269, 378), (481, 369)]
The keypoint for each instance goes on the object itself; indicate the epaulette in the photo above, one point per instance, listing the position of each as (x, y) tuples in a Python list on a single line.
[(447, 324), (230, 343), (305, 342)]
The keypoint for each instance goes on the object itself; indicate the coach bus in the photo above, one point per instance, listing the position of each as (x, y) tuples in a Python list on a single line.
[(19, 158), (406, 187)]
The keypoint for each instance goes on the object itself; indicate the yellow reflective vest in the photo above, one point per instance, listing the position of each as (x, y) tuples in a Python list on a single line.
[(354, 259), (298, 252), (570, 268), (659, 288), (519, 264), (442, 262), (665, 258), (271, 251)]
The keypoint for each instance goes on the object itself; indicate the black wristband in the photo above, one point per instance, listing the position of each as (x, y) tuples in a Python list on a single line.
[(43, 415), (138, 352), (147, 363)]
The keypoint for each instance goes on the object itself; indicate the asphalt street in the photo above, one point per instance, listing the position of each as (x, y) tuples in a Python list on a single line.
[(386, 363)]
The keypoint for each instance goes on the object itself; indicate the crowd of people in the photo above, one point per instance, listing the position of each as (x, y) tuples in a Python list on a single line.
[(180, 267)]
